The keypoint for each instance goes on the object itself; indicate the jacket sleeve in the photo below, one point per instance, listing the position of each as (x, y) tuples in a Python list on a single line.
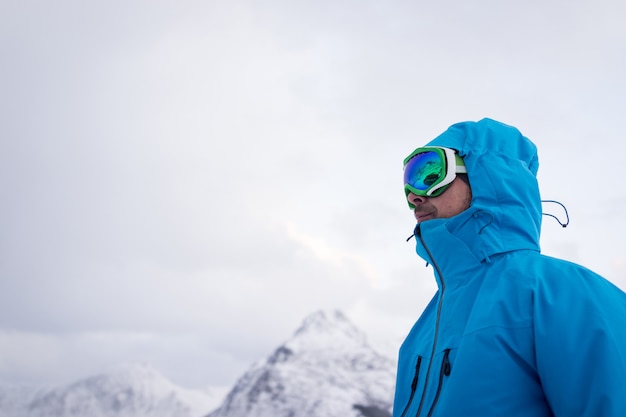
[(580, 342)]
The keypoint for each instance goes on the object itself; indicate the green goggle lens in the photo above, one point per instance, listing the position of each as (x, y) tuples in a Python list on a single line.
[(424, 170), (430, 170)]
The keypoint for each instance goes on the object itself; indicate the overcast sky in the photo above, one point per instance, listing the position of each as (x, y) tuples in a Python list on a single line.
[(182, 182)]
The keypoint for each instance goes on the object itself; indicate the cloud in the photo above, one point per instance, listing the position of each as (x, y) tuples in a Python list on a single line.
[(183, 182)]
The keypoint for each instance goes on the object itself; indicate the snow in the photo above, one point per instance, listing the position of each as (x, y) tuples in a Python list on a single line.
[(128, 391), (327, 368)]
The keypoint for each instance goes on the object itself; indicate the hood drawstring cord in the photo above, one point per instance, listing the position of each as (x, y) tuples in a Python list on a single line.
[(545, 214), (414, 232), (553, 216), (481, 213)]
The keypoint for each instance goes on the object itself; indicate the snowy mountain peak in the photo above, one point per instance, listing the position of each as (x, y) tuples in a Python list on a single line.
[(329, 327), (128, 391), (325, 369), (133, 374)]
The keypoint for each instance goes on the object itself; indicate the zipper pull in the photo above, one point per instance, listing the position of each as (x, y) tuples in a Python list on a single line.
[(446, 363), (417, 371)]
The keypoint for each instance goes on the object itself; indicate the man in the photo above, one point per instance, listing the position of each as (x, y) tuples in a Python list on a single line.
[(510, 332)]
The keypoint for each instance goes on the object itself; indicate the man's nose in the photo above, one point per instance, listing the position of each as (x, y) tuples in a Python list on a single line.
[(415, 199)]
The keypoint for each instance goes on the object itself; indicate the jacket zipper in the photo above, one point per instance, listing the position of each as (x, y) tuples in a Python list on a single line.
[(413, 385), (445, 371), (418, 234)]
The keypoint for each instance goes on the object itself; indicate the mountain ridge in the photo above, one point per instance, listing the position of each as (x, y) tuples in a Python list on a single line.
[(326, 368), (129, 390)]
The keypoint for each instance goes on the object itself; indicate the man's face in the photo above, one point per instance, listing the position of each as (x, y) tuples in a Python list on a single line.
[(454, 200)]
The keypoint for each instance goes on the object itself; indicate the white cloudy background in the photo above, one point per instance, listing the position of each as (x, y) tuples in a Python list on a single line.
[(182, 182)]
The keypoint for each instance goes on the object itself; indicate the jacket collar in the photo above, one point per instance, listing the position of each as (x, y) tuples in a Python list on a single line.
[(458, 246)]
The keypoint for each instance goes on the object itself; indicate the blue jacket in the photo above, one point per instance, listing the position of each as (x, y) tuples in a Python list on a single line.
[(510, 332)]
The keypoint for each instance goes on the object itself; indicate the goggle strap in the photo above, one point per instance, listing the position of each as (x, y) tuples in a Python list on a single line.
[(460, 165)]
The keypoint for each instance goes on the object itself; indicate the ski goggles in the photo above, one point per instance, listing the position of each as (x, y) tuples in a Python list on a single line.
[(428, 171)]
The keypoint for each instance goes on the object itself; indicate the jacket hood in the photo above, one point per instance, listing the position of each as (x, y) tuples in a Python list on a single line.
[(505, 212)]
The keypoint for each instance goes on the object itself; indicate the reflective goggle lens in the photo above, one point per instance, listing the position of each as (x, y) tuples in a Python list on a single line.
[(424, 170)]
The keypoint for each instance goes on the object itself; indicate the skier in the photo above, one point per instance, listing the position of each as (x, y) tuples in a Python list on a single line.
[(510, 332)]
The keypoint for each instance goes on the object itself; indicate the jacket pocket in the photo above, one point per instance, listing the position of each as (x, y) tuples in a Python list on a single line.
[(413, 385), (443, 372)]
